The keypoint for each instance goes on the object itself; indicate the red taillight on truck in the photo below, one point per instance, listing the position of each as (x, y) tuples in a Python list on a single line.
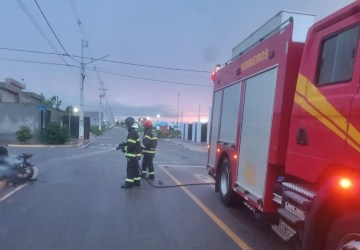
[(213, 75), (345, 183)]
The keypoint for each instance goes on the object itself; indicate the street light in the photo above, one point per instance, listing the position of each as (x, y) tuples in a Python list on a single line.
[(157, 122), (71, 110)]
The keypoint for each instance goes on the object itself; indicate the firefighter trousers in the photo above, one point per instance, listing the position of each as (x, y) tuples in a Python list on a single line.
[(148, 165), (132, 172)]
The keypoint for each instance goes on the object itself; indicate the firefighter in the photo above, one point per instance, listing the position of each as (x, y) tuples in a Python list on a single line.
[(149, 144), (131, 148)]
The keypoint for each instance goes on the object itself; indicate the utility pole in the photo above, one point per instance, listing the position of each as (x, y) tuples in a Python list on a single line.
[(84, 44), (199, 113), (81, 114), (106, 115), (100, 109), (102, 95), (177, 114), (182, 114)]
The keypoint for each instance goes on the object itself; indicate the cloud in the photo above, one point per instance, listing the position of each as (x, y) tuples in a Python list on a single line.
[(124, 110)]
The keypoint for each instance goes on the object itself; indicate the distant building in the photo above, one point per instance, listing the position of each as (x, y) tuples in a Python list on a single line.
[(161, 124), (18, 108), (12, 91)]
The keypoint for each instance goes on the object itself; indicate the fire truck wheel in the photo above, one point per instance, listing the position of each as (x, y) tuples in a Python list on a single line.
[(226, 193), (344, 233)]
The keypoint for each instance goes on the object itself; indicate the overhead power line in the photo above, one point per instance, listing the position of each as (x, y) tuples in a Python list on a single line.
[(52, 30), (111, 61), (38, 62), (107, 72), (158, 67), (38, 28), (154, 80)]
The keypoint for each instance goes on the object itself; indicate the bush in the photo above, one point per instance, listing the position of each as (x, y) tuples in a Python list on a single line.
[(54, 134), (24, 134)]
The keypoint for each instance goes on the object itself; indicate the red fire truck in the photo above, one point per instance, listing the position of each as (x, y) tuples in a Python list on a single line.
[(285, 127)]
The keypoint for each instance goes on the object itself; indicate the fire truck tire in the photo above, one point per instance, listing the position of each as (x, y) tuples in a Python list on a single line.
[(344, 232), (226, 193)]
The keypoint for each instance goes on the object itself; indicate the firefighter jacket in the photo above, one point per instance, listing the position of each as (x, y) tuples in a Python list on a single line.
[(132, 148), (149, 142)]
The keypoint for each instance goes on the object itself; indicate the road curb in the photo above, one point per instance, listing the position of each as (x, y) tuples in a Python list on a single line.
[(80, 144), (42, 146)]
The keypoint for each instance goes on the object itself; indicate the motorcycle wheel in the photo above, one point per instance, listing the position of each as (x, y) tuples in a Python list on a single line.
[(25, 173)]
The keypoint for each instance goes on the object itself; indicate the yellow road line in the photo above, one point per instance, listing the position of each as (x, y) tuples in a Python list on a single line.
[(216, 219)]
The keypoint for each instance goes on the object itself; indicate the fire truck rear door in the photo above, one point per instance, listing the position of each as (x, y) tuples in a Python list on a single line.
[(255, 132)]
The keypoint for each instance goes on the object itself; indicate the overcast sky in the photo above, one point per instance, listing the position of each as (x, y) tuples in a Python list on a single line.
[(187, 36)]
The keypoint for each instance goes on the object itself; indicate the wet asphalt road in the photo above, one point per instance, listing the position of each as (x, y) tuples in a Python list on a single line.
[(77, 203)]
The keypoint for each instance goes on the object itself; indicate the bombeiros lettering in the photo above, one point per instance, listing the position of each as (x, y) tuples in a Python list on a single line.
[(263, 55)]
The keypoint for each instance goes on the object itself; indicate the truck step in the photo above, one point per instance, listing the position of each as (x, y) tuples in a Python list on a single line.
[(299, 189), (277, 198), (282, 233), (297, 198), (289, 216)]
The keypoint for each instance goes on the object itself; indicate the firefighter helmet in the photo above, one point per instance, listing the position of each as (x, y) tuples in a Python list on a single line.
[(129, 121), (147, 124)]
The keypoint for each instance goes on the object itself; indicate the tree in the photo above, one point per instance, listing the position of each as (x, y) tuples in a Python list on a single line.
[(53, 102)]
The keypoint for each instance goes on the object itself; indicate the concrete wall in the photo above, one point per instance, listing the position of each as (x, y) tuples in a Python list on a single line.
[(182, 130), (14, 115), (196, 131), (186, 131), (193, 132)]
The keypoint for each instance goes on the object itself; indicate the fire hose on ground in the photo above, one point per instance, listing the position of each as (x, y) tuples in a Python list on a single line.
[(160, 183)]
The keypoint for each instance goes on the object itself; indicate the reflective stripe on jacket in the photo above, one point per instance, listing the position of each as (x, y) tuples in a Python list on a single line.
[(149, 142), (132, 147)]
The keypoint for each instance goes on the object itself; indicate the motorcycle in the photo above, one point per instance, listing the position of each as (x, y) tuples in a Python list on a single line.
[(15, 169), (24, 170)]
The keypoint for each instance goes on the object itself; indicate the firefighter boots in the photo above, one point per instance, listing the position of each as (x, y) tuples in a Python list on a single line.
[(127, 185)]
